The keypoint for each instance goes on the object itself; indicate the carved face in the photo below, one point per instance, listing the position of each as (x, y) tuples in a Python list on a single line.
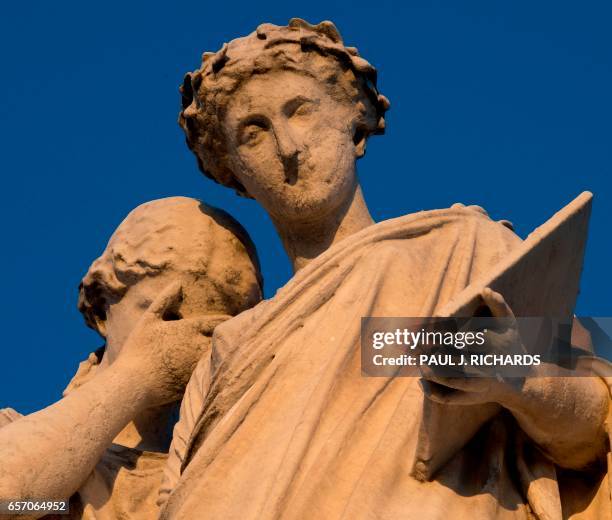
[(291, 145), (198, 300)]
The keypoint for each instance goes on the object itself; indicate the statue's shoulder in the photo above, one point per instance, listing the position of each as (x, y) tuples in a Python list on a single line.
[(480, 210), (461, 239), (8, 415), (460, 223)]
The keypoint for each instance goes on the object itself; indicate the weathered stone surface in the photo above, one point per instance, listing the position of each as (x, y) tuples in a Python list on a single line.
[(277, 420)]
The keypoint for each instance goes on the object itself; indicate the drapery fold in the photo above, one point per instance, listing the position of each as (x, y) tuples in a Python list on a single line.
[(279, 422)]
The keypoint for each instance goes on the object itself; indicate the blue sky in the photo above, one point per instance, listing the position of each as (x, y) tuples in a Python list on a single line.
[(502, 104)]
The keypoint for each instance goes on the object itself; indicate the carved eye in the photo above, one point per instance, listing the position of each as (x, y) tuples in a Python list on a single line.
[(252, 132), (145, 303), (300, 106), (304, 109)]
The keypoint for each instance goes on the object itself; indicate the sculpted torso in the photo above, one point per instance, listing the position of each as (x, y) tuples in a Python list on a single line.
[(278, 422)]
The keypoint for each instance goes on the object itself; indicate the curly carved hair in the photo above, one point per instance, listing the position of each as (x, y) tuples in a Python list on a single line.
[(315, 50), (178, 234)]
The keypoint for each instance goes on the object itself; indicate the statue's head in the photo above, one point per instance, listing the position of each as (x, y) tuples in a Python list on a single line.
[(159, 243), (282, 114)]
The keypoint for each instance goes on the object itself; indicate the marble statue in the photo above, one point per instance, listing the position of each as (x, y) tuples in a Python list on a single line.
[(277, 421), (171, 272)]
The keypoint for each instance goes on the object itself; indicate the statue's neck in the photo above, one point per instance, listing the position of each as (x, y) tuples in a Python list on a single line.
[(305, 241)]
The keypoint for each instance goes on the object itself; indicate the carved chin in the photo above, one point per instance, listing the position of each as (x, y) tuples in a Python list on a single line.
[(307, 200)]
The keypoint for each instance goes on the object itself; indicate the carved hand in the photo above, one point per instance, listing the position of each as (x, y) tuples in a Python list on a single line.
[(564, 415), (163, 348), (475, 390)]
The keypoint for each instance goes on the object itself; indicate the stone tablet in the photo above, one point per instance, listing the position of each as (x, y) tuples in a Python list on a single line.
[(542, 276)]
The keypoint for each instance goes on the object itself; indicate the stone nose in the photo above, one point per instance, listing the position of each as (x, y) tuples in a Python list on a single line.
[(288, 151)]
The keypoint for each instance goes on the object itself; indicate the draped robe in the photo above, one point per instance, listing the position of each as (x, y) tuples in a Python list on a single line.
[(278, 422)]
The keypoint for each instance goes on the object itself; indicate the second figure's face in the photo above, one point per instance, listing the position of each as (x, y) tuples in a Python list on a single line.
[(199, 299), (291, 145)]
